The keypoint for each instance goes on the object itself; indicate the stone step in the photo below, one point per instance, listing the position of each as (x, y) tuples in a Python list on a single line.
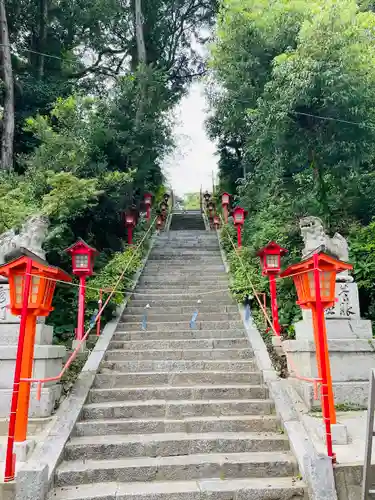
[(198, 392), (201, 424), (167, 280), (179, 309), (214, 465), (159, 354), (198, 260), (154, 300), (174, 326), (176, 409), (116, 379), (111, 447), (184, 267), (178, 366), (153, 316), (279, 488), (207, 343), (122, 336), (174, 289)]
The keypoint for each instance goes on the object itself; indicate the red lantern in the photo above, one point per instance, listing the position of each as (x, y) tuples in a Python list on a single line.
[(315, 280), (239, 215), (83, 263), (225, 200), (270, 257), (32, 283), (148, 202), (130, 224)]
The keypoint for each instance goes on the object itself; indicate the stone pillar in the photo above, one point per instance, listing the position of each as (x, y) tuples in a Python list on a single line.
[(48, 360), (351, 348)]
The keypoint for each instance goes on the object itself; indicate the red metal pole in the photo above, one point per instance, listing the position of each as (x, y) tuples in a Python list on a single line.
[(100, 302), (130, 235), (148, 212), (81, 308), (324, 360), (10, 460), (239, 236), (275, 311)]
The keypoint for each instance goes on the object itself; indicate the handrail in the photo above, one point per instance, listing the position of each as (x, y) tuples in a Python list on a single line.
[(72, 357), (367, 483), (315, 381)]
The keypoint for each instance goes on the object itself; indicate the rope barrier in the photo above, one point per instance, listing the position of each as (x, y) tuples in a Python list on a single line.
[(315, 381), (42, 381)]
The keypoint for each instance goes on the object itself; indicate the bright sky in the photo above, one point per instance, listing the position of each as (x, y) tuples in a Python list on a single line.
[(193, 162)]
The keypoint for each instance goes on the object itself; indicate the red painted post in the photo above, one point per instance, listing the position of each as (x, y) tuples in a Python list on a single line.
[(225, 212), (100, 302), (148, 212), (81, 308), (275, 311), (239, 241), (322, 337), (10, 460), (130, 235)]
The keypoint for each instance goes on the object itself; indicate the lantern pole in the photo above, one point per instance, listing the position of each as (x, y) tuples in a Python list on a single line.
[(239, 241), (274, 308), (323, 357), (328, 407), (81, 307), (130, 235), (10, 460), (225, 210)]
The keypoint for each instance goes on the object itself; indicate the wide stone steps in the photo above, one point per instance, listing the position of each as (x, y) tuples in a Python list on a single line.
[(176, 409), (186, 378), (179, 309), (177, 468), (182, 343), (177, 326), (170, 354), (153, 316), (178, 366), (177, 413), (172, 444), (123, 336), (284, 488), (198, 392)]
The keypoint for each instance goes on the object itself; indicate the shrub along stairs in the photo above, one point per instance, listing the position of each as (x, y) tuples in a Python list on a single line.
[(179, 413)]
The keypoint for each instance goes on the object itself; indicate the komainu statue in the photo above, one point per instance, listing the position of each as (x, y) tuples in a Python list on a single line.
[(32, 235), (315, 240)]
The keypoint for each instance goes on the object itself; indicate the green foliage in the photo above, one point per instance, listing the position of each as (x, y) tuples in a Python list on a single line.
[(294, 116)]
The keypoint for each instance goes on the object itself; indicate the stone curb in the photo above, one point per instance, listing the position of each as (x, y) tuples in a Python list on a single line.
[(35, 479), (316, 469)]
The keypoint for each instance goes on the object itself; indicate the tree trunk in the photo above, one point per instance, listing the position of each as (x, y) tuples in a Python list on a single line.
[(7, 76), (142, 60), (42, 37), (141, 48)]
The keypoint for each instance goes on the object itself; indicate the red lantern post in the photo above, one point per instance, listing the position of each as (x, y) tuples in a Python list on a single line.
[(216, 222), (239, 215), (32, 283), (225, 200), (159, 222), (270, 257), (83, 263), (148, 202), (130, 225), (315, 280)]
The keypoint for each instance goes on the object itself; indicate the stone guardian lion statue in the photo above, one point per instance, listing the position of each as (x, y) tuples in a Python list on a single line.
[(315, 239), (32, 235)]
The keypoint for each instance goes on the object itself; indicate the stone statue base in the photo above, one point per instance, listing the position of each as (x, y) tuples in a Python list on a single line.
[(48, 361), (350, 345)]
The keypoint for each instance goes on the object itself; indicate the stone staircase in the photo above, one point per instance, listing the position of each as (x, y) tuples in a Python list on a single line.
[(178, 413)]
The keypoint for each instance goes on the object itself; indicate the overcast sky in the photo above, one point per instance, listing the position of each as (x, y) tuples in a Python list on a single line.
[(193, 162)]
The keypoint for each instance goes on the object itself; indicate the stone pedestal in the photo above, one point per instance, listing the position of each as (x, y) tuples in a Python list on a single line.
[(48, 360), (351, 349)]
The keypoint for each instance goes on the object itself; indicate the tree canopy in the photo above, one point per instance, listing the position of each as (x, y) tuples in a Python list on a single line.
[(292, 98)]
